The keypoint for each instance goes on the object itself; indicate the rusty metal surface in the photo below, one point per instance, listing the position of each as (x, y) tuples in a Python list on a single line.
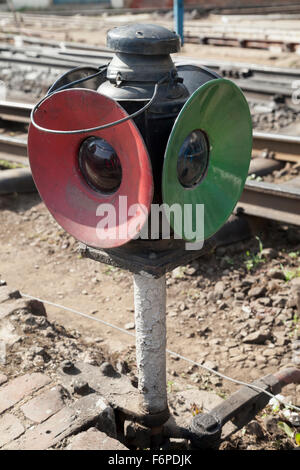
[(17, 112), (214, 40), (288, 376), (13, 150), (263, 166), (271, 201), (40, 62), (16, 180), (156, 257), (294, 182), (286, 147), (240, 408)]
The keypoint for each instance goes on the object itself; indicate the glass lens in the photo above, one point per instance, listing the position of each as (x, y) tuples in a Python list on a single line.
[(193, 159), (100, 165)]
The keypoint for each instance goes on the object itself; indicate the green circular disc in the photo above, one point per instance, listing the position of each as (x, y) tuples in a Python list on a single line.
[(219, 111)]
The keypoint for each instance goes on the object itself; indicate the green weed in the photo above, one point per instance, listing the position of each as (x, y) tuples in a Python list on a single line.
[(290, 274), (253, 260), (294, 254), (5, 165)]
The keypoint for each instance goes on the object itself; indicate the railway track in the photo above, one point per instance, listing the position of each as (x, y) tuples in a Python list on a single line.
[(250, 77), (287, 9), (13, 150), (72, 50), (271, 201), (244, 35), (55, 57), (285, 147), (267, 200), (233, 34), (16, 112), (256, 81)]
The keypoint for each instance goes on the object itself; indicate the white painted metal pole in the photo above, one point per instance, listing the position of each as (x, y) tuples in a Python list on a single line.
[(150, 325)]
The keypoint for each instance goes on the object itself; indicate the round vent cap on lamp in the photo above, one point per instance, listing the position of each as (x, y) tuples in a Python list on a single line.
[(143, 39)]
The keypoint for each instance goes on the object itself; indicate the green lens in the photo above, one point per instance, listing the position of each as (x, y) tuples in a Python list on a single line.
[(193, 159), (207, 158)]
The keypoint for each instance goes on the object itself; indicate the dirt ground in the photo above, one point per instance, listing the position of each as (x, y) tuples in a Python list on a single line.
[(215, 306)]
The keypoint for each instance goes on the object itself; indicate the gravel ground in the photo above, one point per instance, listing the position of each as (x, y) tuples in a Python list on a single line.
[(27, 82), (236, 310)]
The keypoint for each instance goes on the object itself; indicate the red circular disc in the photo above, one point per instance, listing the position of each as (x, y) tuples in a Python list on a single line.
[(82, 211)]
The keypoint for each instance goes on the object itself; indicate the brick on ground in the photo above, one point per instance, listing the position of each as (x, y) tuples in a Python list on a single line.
[(21, 387), (117, 388), (3, 379), (8, 336), (9, 308), (33, 306), (10, 428), (92, 439), (43, 406), (8, 294), (90, 410)]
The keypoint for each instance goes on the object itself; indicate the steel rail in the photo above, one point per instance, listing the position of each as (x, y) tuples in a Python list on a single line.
[(203, 33), (272, 201), (266, 200), (57, 53), (261, 79), (242, 42), (285, 147), (287, 73), (251, 78), (66, 47), (21, 112), (258, 9), (13, 150), (68, 61), (42, 62), (61, 59), (33, 40), (16, 112), (228, 10)]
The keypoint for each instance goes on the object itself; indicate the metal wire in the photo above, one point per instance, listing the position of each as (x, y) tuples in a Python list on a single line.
[(99, 320), (97, 128)]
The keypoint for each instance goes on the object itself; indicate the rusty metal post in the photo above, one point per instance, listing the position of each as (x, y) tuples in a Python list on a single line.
[(150, 324)]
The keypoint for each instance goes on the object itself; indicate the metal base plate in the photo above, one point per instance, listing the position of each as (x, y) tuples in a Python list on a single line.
[(155, 257)]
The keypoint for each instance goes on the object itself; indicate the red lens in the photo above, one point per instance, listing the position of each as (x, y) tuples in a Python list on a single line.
[(100, 165)]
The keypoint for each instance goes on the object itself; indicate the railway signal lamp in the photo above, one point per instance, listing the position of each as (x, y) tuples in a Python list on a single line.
[(191, 146), (146, 132)]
